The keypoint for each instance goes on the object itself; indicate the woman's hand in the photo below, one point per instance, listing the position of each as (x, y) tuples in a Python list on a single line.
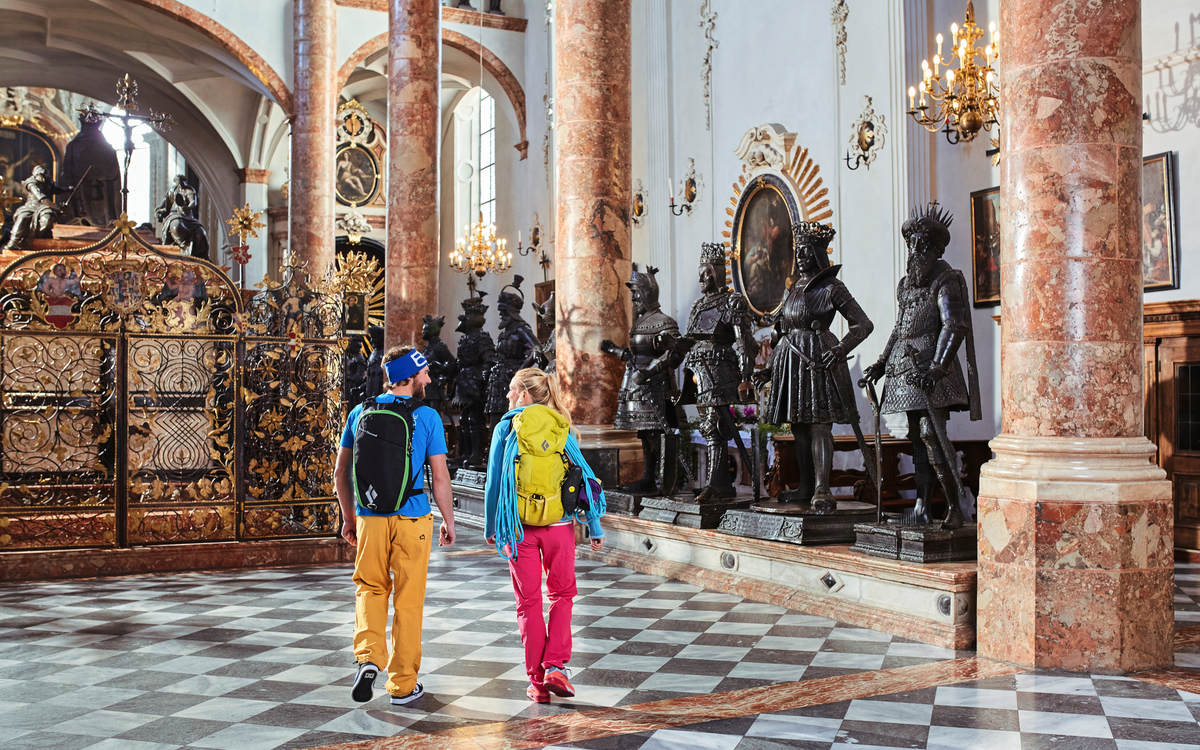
[(597, 543)]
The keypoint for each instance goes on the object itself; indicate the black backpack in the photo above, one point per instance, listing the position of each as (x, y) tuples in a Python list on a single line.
[(383, 460)]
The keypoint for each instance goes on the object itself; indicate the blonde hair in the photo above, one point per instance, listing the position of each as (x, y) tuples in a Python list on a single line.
[(542, 389)]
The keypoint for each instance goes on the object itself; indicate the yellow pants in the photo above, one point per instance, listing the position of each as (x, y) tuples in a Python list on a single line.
[(392, 558)]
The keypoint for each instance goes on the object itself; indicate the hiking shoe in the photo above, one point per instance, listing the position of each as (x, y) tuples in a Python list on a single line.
[(537, 694), (556, 682), (399, 700), (364, 680)]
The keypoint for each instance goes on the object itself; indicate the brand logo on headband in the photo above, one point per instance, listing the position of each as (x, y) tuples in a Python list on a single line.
[(405, 367)]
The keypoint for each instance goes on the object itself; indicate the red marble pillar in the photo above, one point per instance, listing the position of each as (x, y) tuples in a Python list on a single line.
[(310, 195), (414, 88), (592, 247), (1075, 522)]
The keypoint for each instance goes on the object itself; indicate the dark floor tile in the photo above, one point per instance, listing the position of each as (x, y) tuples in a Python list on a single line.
[(821, 673), (218, 635), (234, 651), (341, 658), (174, 730), (825, 711), (46, 740), (708, 667), (1061, 742), (253, 670), (634, 697), (646, 648), (498, 626), (133, 661), (882, 735), (1134, 689), (1059, 704), (307, 628), (604, 634), (32, 691), (37, 716), (297, 716), (143, 680), (708, 606), (741, 683), (798, 631), (835, 645), (326, 642), (273, 690), (754, 617), (617, 678), (321, 739), (1004, 720), (125, 643), (115, 628), (31, 670), (924, 696), (779, 656), (1154, 730), (762, 743), (615, 742), (632, 610), (157, 703), (467, 668), (726, 640), (739, 726), (689, 626), (893, 662)]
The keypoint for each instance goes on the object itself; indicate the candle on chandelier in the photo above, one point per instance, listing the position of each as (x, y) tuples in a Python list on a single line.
[(939, 43), (912, 93)]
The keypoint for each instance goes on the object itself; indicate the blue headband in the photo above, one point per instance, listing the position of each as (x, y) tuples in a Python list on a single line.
[(405, 367)]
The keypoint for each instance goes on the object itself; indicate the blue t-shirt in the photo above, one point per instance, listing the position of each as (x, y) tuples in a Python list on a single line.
[(429, 439)]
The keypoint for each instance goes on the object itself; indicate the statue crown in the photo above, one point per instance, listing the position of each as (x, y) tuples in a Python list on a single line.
[(712, 252), (813, 230)]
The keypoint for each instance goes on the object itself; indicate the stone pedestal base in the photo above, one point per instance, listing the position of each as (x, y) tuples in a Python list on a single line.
[(683, 510), (614, 455), (1075, 555), (625, 503), (787, 522), (915, 543)]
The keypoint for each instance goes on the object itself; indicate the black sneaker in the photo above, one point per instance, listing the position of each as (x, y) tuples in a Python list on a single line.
[(364, 680), (400, 700)]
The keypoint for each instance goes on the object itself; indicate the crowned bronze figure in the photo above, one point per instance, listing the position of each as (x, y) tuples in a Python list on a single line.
[(514, 342), (717, 366), (923, 376), (91, 162), (543, 356), (442, 363), (646, 401), (810, 382), (36, 217), (476, 356)]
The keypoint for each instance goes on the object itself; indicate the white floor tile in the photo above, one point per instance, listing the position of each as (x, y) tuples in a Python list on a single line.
[(1141, 708), (890, 712), (1077, 725), (226, 709), (847, 661), (804, 728), (680, 683), (956, 738), (975, 698), (249, 737)]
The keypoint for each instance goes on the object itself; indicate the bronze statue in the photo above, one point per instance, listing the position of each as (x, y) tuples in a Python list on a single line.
[(354, 382), (374, 377), (646, 401), (35, 219), (924, 378), (718, 365), (179, 222), (442, 363), (543, 356), (513, 343), (810, 382), (91, 162), (476, 355)]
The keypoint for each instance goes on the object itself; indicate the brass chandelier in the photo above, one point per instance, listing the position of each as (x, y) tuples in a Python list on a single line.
[(479, 251), (965, 100)]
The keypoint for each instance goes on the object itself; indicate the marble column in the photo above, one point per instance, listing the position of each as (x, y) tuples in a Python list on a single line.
[(592, 245), (413, 236), (310, 196), (1075, 522)]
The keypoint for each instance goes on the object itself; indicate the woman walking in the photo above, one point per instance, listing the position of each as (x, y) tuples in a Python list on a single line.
[(533, 450)]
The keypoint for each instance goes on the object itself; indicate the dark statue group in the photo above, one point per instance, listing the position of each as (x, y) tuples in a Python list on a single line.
[(809, 384)]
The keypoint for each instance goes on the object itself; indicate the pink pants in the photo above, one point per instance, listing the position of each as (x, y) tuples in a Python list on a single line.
[(552, 548)]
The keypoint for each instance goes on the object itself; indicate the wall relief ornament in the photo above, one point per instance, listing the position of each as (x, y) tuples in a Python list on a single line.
[(780, 186), (708, 22), (866, 137), (838, 15)]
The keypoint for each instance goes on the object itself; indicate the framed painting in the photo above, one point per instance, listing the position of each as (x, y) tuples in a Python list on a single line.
[(985, 246), (763, 257), (357, 180), (1160, 236)]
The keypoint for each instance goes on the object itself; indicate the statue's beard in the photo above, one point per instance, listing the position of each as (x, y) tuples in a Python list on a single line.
[(919, 266)]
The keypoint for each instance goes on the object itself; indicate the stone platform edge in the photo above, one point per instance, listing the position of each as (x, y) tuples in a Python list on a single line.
[(43, 565)]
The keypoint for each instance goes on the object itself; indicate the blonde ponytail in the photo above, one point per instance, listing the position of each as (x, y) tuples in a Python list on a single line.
[(542, 389)]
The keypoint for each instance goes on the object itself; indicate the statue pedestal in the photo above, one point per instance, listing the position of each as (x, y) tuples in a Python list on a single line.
[(916, 542), (625, 503), (798, 524), (683, 510)]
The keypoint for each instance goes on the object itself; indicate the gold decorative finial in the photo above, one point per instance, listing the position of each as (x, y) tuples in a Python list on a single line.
[(245, 223)]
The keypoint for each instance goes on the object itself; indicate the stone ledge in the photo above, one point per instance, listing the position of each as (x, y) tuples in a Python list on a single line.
[(1094, 470), (40, 565)]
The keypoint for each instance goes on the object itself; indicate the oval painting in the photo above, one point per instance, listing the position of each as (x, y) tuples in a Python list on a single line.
[(357, 176), (765, 241)]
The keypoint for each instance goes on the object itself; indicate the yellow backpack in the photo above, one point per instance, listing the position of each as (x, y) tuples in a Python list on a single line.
[(541, 464)]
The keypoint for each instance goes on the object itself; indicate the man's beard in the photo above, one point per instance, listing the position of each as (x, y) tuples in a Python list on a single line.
[(418, 390), (919, 266)]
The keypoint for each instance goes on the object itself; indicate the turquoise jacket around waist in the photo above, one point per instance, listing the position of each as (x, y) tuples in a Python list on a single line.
[(500, 470)]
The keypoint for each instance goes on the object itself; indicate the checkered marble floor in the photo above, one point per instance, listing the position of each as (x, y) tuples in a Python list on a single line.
[(260, 660)]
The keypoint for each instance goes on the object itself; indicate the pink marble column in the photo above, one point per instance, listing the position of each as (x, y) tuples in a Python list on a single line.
[(310, 195), (592, 247), (1075, 522), (414, 88)]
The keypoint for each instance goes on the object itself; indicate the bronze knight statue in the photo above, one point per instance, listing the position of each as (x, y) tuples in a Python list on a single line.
[(36, 217), (717, 368), (810, 382), (514, 341), (91, 162), (543, 356), (476, 355), (920, 361), (442, 363), (179, 220), (646, 401)]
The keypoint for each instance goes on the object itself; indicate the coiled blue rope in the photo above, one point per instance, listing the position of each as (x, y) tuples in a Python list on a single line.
[(509, 531)]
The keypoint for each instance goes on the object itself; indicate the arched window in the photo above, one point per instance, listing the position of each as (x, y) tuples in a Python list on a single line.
[(487, 157)]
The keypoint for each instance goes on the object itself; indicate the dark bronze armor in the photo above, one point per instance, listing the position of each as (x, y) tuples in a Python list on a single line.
[(514, 342), (442, 364), (476, 355), (544, 355)]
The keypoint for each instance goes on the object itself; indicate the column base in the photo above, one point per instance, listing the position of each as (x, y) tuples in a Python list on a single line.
[(1075, 555)]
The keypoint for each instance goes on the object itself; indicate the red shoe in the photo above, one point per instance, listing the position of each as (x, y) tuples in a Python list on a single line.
[(537, 695), (557, 683)]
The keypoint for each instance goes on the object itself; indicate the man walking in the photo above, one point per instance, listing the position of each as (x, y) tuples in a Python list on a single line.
[(380, 481)]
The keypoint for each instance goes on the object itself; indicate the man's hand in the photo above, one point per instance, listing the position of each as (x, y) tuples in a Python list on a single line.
[(446, 535), (832, 356), (640, 377), (597, 543), (350, 532), (931, 377), (875, 371), (761, 377)]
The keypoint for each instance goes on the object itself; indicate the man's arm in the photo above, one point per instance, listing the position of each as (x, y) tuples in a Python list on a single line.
[(345, 493), (443, 496)]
